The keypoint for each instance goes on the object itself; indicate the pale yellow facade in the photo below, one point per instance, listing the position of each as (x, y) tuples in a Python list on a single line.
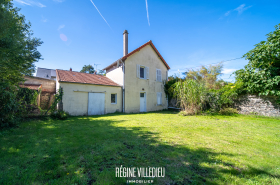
[(133, 85), (75, 97)]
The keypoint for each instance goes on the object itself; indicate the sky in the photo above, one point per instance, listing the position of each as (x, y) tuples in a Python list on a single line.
[(188, 34)]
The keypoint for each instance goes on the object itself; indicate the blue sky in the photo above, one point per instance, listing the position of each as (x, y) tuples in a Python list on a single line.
[(186, 33)]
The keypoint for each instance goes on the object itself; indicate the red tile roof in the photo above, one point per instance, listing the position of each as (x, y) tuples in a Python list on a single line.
[(138, 49), (84, 78)]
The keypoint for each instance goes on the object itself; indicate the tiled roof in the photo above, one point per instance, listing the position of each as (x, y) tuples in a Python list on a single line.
[(138, 49), (84, 78)]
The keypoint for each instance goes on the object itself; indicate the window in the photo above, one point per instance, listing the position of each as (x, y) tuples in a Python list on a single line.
[(159, 98), (142, 95), (158, 75), (142, 72), (113, 98)]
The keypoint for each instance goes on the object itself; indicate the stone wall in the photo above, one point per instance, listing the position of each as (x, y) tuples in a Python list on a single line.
[(261, 105)]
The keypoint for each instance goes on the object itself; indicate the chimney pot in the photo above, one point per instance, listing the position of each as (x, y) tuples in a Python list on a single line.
[(70, 69), (125, 43)]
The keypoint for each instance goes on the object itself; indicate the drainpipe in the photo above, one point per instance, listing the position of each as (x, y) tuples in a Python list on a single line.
[(123, 86)]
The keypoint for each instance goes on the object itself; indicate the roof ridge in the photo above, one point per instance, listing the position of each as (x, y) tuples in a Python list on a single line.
[(138, 49)]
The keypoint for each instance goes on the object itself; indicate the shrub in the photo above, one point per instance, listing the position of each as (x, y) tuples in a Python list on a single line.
[(10, 108), (228, 111), (61, 115), (191, 95)]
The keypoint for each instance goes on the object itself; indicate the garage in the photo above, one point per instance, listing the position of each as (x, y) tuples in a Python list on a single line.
[(88, 94)]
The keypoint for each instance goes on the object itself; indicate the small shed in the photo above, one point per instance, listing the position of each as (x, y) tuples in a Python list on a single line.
[(88, 94)]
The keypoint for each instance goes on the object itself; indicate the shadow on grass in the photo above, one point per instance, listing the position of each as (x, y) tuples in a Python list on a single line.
[(86, 150)]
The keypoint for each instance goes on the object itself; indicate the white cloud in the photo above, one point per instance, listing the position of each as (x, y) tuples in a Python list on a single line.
[(30, 3), (147, 12), (228, 71), (60, 27), (227, 13), (240, 9)]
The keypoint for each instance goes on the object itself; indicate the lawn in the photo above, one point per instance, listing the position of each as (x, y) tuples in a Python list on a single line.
[(193, 149)]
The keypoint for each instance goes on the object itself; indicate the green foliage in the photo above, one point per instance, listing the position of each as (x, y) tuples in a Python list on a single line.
[(102, 72), (191, 95), (28, 96), (18, 49), (224, 97), (60, 115), (228, 111), (88, 69), (262, 74), (18, 53), (169, 86), (57, 98), (207, 75), (10, 107)]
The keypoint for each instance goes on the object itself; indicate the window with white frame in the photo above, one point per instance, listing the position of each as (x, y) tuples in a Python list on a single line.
[(158, 75), (159, 98), (113, 98), (142, 72)]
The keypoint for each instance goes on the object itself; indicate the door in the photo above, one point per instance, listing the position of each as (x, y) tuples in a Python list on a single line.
[(143, 102), (96, 103)]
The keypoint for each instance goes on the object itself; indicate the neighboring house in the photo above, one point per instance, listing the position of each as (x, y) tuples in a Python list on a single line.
[(142, 74), (46, 73), (134, 83), (47, 86), (88, 94)]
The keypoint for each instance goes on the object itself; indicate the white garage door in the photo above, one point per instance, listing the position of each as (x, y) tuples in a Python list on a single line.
[(96, 103)]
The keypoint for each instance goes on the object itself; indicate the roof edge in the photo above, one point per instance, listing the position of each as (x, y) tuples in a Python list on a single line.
[(138, 49)]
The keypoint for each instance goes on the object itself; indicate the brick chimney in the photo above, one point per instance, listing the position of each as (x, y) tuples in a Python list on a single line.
[(125, 42), (70, 69)]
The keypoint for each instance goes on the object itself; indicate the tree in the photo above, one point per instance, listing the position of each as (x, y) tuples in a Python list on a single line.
[(18, 53), (88, 69), (208, 75), (262, 74), (18, 49)]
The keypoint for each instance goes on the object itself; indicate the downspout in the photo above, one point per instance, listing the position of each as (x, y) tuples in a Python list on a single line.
[(123, 86)]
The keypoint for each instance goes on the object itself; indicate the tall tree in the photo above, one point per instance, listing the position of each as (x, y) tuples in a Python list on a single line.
[(262, 74), (18, 53), (18, 49), (208, 75), (87, 69)]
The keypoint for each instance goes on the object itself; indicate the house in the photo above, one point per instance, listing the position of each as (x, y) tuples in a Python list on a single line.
[(46, 73), (134, 83)]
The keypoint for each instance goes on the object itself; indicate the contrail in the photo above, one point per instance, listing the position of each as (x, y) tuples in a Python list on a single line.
[(100, 14), (147, 12)]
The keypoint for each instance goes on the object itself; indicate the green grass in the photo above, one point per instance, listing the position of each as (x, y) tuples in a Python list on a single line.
[(193, 149)]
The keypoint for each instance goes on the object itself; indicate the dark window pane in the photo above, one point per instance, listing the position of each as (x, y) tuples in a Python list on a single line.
[(142, 72), (142, 95), (113, 98)]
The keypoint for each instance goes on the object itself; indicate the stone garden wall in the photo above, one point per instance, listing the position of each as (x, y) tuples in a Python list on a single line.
[(261, 105)]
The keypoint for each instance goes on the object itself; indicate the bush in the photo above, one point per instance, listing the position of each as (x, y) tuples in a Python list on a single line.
[(10, 107), (61, 115), (228, 111), (191, 95)]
